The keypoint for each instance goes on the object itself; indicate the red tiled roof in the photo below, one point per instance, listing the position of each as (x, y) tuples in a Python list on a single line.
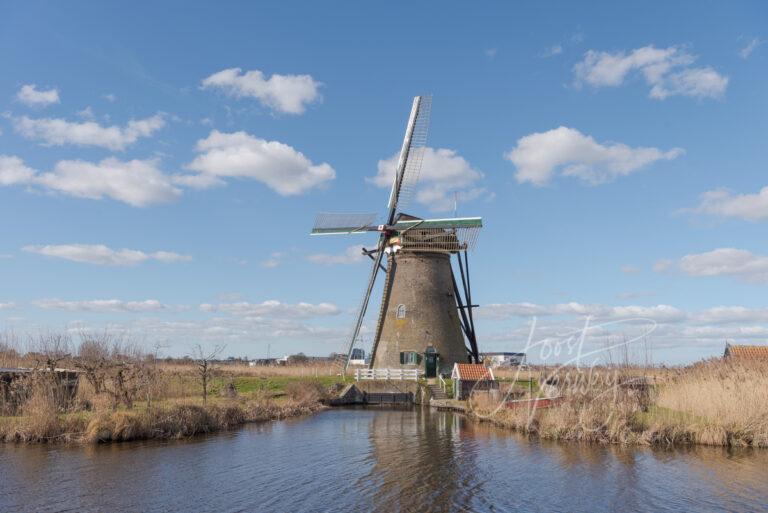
[(752, 352), (474, 372)]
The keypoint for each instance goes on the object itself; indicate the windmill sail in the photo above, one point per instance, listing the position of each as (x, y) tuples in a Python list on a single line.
[(411, 155), (366, 299), (333, 224)]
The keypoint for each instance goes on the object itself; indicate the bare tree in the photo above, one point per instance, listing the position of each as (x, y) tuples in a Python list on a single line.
[(204, 360), (94, 358), (50, 349), (115, 367)]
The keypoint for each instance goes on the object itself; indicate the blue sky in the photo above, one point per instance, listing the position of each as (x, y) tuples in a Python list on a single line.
[(161, 166)]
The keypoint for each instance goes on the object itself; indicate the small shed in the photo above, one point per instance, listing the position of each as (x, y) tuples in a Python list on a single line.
[(746, 353), (470, 377)]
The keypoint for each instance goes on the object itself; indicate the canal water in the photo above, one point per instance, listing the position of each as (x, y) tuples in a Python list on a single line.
[(377, 460)]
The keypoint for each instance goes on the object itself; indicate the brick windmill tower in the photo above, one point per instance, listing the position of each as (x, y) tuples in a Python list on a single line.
[(425, 317)]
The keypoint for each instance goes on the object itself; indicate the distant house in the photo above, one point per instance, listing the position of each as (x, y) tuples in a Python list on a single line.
[(743, 352), (469, 377), (503, 359)]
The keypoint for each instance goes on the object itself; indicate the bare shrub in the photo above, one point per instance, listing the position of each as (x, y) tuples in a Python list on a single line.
[(204, 361), (305, 391)]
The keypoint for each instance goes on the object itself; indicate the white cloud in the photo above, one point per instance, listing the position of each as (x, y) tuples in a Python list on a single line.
[(100, 254), (722, 202), (731, 314), (552, 51), (491, 53), (736, 263), (136, 182), (111, 98), (443, 173), (352, 255), (658, 313), (30, 95), (753, 43), (7, 306), (86, 113), (666, 70), (102, 305), (537, 156), (59, 132), (629, 269), (13, 171), (273, 308), (282, 93), (240, 155)]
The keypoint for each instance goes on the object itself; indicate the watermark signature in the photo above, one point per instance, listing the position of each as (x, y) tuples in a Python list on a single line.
[(584, 374)]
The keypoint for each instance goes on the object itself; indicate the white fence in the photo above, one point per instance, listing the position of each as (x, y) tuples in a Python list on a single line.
[(392, 374)]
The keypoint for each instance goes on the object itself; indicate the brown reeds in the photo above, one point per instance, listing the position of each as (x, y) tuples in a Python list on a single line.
[(712, 403)]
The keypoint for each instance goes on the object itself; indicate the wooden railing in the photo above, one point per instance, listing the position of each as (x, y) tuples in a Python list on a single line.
[(442, 383), (387, 374)]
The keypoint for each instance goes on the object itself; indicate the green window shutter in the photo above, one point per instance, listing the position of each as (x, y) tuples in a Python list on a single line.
[(402, 357)]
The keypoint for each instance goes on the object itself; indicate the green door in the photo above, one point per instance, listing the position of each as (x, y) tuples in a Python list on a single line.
[(430, 362)]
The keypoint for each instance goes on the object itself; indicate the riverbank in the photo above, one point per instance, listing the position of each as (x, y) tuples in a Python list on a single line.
[(166, 421), (712, 403), (110, 396)]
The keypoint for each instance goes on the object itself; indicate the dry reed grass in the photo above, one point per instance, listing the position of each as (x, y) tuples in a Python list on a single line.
[(713, 403)]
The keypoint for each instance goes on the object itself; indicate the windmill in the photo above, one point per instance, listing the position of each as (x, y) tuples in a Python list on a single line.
[(422, 310)]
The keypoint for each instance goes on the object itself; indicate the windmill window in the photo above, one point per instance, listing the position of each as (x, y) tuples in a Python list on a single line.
[(401, 311), (410, 358)]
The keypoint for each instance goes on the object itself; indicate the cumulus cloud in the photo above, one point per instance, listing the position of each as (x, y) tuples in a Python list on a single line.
[(7, 306), (136, 182), (539, 155), (736, 263), (288, 94), (240, 155), (59, 132), (13, 171), (102, 305), (443, 173), (724, 203), (753, 43), (667, 71), (352, 255), (30, 95), (273, 308), (100, 254)]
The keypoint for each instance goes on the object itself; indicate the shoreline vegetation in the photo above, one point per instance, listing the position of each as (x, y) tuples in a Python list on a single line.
[(714, 403), (123, 394), (113, 392)]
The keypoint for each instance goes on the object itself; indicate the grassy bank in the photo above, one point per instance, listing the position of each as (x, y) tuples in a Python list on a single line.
[(113, 393), (712, 403), (165, 421)]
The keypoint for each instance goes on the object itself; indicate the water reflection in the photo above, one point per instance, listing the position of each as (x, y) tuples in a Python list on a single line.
[(419, 463), (378, 460)]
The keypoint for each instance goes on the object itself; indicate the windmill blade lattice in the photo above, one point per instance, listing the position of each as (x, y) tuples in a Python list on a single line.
[(416, 150)]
